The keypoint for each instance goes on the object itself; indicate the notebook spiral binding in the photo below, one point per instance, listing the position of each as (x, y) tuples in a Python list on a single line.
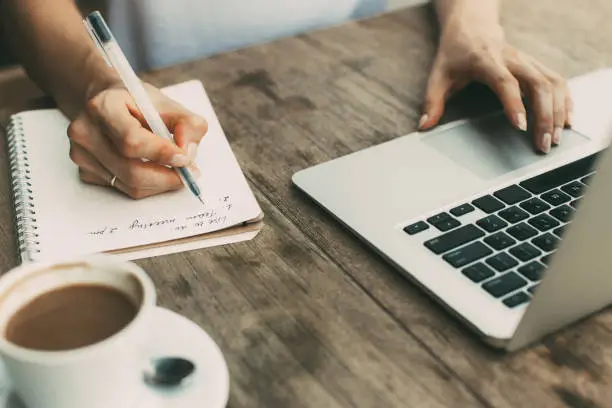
[(23, 196)]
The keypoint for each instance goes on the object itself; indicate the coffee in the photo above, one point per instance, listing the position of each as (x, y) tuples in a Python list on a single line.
[(70, 317)]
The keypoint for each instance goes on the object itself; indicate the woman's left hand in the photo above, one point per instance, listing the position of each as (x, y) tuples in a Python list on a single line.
[(476, 52)]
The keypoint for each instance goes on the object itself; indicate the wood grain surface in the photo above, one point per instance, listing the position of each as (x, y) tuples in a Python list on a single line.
[(308, 316)]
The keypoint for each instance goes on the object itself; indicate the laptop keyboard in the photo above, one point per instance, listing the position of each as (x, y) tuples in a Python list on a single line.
[(506, 251)]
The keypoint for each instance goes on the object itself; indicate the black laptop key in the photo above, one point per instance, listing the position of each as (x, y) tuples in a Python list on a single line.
[(488, 204), (563, 213), (491, 223), (522, 231), (574, 189), (502, 262), (447, 225), (513, 214), (575, 203), (555, 197), (512, 194), (478, 272), (454, 239), (416, 227), (500, 286), (587, 179), (438, 218), (443, 221), (467, 254), (462, 210), (559, 176), (532, 271), (525, 251), (532, 289), (534, 205), (546, 259), (499, 240), (546, 242), (559, 231), (516, 299), (544, 222)]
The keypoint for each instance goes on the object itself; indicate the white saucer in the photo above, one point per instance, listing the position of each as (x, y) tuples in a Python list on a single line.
[(174, 336)]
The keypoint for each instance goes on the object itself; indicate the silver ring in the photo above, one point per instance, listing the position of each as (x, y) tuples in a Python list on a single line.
[(112, 182)]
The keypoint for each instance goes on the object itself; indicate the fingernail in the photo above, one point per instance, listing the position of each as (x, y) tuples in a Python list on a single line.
[(570, 118), (557, 135), (546, 143), (192, 151), (179, 160), (521, 122), (423, 120)]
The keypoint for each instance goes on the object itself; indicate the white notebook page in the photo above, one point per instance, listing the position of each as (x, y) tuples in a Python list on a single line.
[(77, 218)]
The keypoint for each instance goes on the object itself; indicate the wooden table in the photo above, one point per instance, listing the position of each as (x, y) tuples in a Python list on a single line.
[(306, 315)]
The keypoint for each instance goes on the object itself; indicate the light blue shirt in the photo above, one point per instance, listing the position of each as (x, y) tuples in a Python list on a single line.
[(158, 33)]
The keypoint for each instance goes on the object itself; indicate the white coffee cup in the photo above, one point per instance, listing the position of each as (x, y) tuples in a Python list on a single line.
[(107, 374)]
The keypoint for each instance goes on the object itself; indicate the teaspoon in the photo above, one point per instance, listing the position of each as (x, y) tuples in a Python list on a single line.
[(168, 371)]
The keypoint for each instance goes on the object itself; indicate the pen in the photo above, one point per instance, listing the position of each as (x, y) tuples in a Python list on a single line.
[(101, 35)]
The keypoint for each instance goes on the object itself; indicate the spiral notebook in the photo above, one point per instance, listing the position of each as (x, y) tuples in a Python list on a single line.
[(58, 216)]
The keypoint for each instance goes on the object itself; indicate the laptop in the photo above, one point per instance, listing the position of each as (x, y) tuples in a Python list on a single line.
[(514, 243)]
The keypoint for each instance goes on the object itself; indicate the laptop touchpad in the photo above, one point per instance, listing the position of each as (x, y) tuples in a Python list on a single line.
[(490, 147)]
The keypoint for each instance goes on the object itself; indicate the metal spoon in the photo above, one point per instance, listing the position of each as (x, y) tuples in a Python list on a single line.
[(168, 371)]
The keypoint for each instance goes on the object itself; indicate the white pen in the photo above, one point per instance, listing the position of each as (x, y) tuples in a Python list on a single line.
[(100, 33)]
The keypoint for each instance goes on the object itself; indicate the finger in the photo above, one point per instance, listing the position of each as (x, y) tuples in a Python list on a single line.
[(128, 135), (138, 174), (188, 131), (93, 178), (569, 109), (507, 89), (134, 193), (438, 88), (132, 172), (88, 163), (187, 128), (138, 192), (542, 99), (560, 84), (559, 112), (560, 92)]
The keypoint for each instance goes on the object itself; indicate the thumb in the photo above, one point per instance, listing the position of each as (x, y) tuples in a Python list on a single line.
[(438, 87)]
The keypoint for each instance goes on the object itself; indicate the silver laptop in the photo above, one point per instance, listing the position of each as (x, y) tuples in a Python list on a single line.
[(515, 243)]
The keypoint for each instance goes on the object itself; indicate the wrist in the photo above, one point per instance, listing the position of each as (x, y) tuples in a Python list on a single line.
[(95, 76), (99, 76), (467, 16), (474, 29)]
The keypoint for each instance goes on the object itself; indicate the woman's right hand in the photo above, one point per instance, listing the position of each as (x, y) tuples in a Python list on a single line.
[(473, 48), (109, 138)]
